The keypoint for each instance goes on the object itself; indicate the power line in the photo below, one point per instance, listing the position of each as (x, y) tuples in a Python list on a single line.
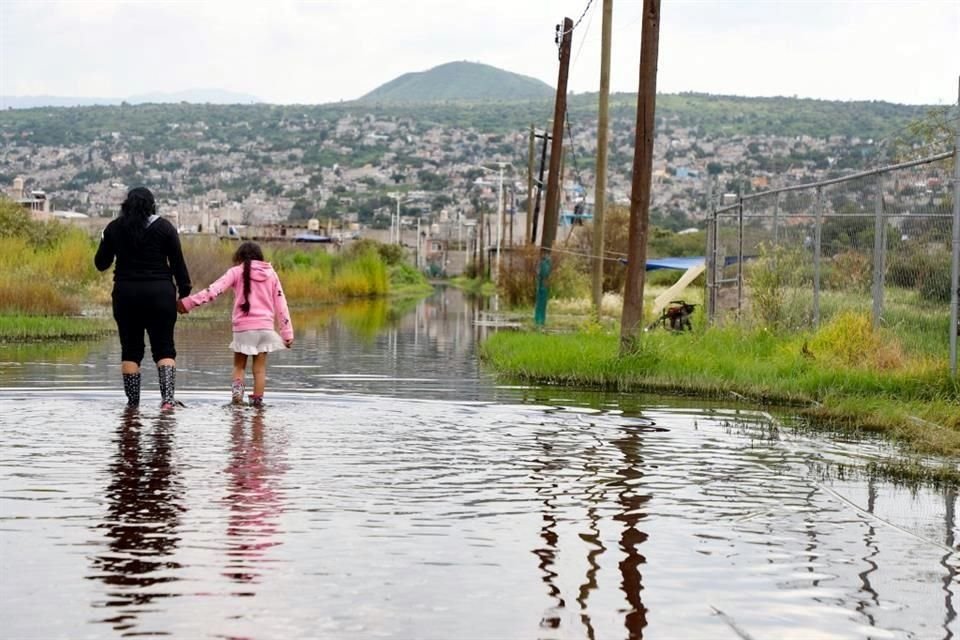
[(583, 41), (572, 147), (583, 255), (575, 24)]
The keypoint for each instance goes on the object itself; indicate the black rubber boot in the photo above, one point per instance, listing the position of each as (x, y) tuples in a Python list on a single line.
[(131, 387), (168, 382)]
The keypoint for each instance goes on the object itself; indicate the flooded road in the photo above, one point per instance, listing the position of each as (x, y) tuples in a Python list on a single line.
[(392, 489)]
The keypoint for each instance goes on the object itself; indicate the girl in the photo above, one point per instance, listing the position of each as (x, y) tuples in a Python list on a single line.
[(258, 306)]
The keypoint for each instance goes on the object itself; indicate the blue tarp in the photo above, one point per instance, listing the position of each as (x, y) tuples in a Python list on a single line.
[(673, 263), (684, 263)]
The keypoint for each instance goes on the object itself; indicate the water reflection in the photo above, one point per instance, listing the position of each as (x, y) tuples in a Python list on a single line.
[(633, 500), (253, 499), (142, 521), (450, 502), (866, 607), (548, 466), (950, 579)]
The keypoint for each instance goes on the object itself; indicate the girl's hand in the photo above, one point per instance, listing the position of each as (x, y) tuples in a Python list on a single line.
[(288, 343)]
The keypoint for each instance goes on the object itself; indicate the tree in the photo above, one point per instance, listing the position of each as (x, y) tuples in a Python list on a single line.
[(302, 210)]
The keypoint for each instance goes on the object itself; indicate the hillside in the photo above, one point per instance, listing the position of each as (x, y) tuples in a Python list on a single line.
[(271, 162), (711, 115), (459, 81)]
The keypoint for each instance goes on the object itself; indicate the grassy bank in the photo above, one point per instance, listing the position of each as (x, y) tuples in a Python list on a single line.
[(49, 276), (312, 276), (845, 374), (29, 328), (474, 286)]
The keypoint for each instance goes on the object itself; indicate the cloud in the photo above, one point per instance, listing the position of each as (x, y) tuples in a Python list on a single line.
[(289, 51)]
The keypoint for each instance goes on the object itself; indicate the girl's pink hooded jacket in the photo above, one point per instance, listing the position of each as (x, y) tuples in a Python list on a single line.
[(268, 306)]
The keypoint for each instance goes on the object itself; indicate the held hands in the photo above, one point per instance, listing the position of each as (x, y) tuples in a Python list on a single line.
[(181, 309)]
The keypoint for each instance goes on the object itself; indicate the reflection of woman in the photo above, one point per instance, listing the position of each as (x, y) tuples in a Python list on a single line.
[(142, 520), (253, 499), (149, 258)]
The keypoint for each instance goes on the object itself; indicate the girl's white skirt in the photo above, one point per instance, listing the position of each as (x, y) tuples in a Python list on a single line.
[(253, 342)]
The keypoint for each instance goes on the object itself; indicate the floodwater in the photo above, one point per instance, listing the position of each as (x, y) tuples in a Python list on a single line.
[(391, 489)]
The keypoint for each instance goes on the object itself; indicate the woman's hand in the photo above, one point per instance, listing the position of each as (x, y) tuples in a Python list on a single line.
[(181, 309)]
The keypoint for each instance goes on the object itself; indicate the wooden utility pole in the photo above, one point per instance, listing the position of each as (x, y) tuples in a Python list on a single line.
[(553, 186), (600, 192), (536, 205), (632, 318), (531, 152)]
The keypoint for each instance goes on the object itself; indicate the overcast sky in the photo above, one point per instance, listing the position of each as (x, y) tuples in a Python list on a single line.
[(286, 51)]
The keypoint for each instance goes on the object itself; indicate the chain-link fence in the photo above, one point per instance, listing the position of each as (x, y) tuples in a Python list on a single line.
[(880, 242)]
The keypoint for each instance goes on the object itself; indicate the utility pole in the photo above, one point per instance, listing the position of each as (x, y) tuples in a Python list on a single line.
[(496, 275), (955, 260), (553, 188), (481, 249), (632, 318), (536, 206), (600, 192), (531, 151), (396, 195), (513, 212)]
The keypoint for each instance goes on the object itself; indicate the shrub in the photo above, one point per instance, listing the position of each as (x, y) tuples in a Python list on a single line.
[(405, 274), (286, 259), (45, 279), (849, 340), (363, 276), (392, 254), (207, 258), (926, 271), (850, 271), (33, 297), (518, 276), (308, 286), (772, 280), (15, 222)]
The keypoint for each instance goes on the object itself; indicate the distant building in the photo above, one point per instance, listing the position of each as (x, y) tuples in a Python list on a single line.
[(36, 201)]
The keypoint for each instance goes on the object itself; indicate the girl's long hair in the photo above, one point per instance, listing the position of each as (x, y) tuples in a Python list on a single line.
[(136, 211), (245, 253)]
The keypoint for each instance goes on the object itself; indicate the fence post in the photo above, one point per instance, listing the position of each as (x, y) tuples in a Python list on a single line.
[(818, 228), (955, 267), (879, 253), (776, 222), (739, 257), (711, 258)]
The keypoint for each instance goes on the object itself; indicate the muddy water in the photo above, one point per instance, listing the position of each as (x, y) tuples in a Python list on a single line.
[(392, 489)]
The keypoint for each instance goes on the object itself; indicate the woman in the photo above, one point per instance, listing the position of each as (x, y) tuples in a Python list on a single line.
[(149, 259)]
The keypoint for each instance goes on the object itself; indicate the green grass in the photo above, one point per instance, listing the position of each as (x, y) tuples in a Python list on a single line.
[(914, 400), (406, 282), (474, 286), (21, 328)]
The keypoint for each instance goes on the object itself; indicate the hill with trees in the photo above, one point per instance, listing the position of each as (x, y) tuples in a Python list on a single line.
[(459, 82)]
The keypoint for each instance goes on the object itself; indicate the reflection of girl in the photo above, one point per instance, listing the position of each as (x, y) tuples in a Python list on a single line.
[(149, 258), (253, 501), (258, 307)]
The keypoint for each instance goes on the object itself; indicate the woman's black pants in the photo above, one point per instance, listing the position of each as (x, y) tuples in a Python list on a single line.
[(149, 306)]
